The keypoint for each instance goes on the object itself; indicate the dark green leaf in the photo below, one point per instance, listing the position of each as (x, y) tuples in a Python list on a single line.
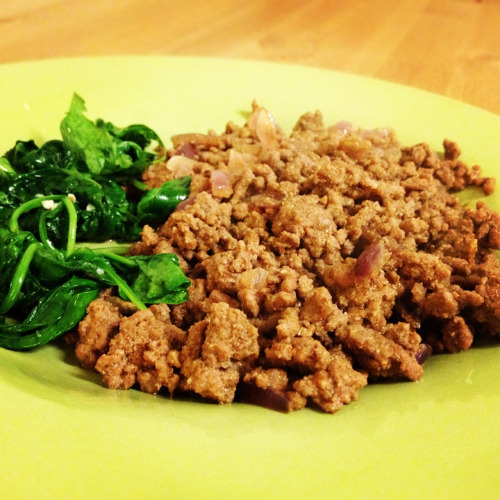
[(12, 248), (159, 279), (104, 148), (158, 203), (58, 312), (77, 189)]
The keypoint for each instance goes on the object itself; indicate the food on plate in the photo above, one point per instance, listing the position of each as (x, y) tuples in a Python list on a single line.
[(318, 261), (57, 201)]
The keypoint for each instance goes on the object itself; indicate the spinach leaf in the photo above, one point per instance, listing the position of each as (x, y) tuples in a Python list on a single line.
[(58, 312), (19, 289), (93, 162), (150, 279), (158, 203), (158, 279), (76, 190), (27, 157), (104, 148), (55, 289), (5, 166), (103, 209)]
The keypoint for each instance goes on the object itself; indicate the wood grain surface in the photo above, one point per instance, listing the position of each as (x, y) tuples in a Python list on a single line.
[(450, 47)]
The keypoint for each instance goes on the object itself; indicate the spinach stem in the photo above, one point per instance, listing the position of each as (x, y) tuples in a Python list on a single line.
[(123, 286), (72, 215), (118, 258), (18, 278), (110, 246), (26, 207), (42, 228), (38, 202)]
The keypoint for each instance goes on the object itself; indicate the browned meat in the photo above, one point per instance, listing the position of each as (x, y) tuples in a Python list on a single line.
[(96, 330), (319, 260), (146, 350), (219, 349)]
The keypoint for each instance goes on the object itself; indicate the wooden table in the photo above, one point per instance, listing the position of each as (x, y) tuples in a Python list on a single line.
[(451, 47)]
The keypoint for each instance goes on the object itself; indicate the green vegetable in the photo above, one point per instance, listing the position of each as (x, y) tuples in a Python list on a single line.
[(160, 202), (103, 148), (63, 211), (58, 312), (94, 162), (158, 278)]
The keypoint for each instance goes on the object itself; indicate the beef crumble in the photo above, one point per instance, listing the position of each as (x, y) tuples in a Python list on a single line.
[(319, 261)]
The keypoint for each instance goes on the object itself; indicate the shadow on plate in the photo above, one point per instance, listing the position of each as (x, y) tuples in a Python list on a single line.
[(52, 373)]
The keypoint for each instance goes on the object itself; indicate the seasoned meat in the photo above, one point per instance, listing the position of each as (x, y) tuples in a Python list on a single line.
[(219, 349), (146, 351), (96, 330), (319, 261)]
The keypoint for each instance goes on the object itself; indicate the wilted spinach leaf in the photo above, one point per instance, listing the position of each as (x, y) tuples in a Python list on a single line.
[(158, 203), (75, 190), (57, 312), (158, 278), (104, 148)]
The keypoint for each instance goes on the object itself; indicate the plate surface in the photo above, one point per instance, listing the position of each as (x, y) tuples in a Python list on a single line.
[(62, 435)]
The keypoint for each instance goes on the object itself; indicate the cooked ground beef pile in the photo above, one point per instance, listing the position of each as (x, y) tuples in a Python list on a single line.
[(319, 261)]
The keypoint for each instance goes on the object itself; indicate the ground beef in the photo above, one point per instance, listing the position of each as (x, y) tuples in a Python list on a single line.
[(96, 330), (319, 261), (146, 350)]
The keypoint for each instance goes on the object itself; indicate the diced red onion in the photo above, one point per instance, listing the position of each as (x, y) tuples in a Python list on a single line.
[(424, 351), (185, 203), (267, 398), (219, 181), (187, 150), (265, 127), (369, 261), (343, 126), (180, 165)]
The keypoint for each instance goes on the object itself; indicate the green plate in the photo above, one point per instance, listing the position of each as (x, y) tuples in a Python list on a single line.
[(63, 435)]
